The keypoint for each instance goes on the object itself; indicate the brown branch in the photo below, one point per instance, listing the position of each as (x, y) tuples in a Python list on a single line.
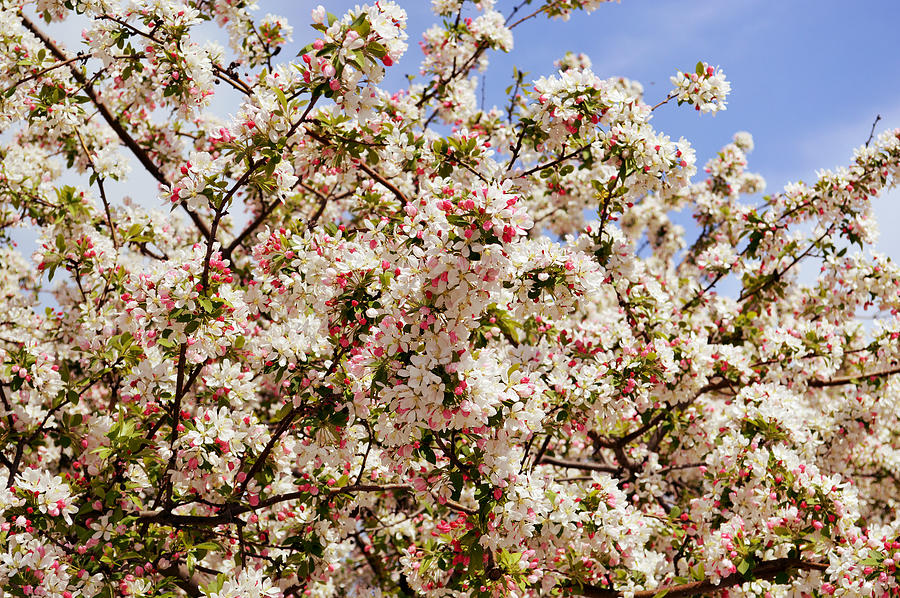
[(587, 466), (139, 152), (526, 17), (432, 91), (236, 83), (283, 425), (323, 201), (185, 580), (852, 379), (90, 159), (747, 293), (669, 97), (8, 408), (181, 388), (617, 443), (220, 211), (764, 570), (466, 166), (260, 218), (27, 440), (872, 132), (230, 511), (365, 168), (541, 451), (516, 149), (179, 393), (79, 56), (13, 468), (555, 162), (373, 562)]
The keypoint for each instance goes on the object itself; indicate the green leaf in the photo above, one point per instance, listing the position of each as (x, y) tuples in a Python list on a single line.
[(698, 572), (428, 453), (215, 585), (64, 373), (205, 303), (476, 558), (377, 49), (700, 69), (282, 100), (456, 480)]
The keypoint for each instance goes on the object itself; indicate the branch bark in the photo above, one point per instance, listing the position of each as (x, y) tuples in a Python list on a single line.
[(185, 580), (230, 511), (851, 379), (139, 152), (586, 466), (765, 570), (365, 168)]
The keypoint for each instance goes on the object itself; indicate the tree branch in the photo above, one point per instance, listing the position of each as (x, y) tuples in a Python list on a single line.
[(585, 465), (365, 168), (764, 570), (185, 580), (872, 132), (113, 122), (555, 162), (79, 56), (230, 511), (616, 443)]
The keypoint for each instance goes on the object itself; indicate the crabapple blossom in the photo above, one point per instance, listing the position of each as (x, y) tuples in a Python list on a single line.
[(706, 88), (361, 341)]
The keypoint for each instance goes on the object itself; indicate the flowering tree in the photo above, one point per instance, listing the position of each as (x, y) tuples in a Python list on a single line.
[(417, 370)]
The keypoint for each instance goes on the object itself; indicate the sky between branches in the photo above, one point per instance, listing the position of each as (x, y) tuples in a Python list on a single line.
[(808, 76)]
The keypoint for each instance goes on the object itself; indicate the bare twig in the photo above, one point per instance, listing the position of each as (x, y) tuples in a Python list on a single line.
[(851, 379), (872, 132), (90, 159), (78, 57)]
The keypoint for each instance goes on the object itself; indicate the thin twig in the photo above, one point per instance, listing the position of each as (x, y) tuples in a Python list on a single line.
[(80, 56), (852, 379), (87, 153), (555, 162), (872, 132), (139, 152)]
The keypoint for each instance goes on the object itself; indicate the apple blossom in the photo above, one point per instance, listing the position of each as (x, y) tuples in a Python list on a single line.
[(451, 350)]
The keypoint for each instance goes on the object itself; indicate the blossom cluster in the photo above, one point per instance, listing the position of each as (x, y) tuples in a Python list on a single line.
[(393, 342), (706, 88)]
